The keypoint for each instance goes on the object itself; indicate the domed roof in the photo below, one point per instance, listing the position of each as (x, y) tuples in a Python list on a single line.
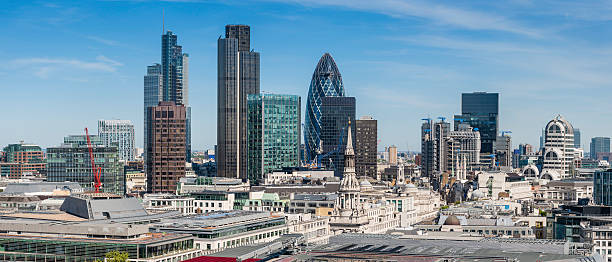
[(550, 174), (452, 220), (365, 183), (560, 124)]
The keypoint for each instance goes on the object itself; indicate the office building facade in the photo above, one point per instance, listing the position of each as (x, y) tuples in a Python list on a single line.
[(22, 159), (480, 110), (599, 145), (119, 133), (71, 162), (462, 149), (558, 153), (237, 77), (602, 187), (273, 133), (366, 144), (433, 146), (503, 150), (392, 151), (337, 113), (577, 141), (153, 86), (326, 82), (166, 155)]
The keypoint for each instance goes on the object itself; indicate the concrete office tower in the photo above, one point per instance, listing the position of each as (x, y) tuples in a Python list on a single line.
[(503, 150), (175, 80), (481, 110), (274, 123), (366, 144), (599, 145), (326, 82), (153, 86), (166, 155), (119, 133), (577, 141), (337, 112), (71, 162), (462, 149), (392, 151), (558, 153), (433, 146), (237, 77)]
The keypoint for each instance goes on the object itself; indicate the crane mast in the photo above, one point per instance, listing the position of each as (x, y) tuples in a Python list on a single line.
[(95, 170)]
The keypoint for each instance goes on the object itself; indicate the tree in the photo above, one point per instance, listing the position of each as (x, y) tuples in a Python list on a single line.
[(117, 256)]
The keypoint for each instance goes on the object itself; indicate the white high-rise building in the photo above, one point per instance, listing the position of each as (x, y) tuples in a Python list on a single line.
[(119, 133), (559, 151)]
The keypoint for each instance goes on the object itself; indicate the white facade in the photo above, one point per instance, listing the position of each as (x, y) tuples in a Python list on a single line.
[(157, 203), (558, 153), (118, 133), (316, 230), (279, 177), (491, 184)]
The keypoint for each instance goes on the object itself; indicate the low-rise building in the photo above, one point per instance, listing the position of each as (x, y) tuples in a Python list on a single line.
[(218, 230), (189, 185), (292, 176), (564, 192), (312, 204), (40, 240), (315, 229), (496, 185), (159, 203)]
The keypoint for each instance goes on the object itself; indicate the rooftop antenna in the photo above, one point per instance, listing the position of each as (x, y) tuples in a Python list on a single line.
[(163, 22)]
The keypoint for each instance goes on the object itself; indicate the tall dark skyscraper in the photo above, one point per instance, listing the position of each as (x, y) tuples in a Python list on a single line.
[(326, 82), (366, 143), (237, 77), (166, 159), (481, 110), (336, 113)]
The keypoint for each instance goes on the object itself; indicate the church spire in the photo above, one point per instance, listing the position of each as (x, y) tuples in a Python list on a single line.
[(349, 180)]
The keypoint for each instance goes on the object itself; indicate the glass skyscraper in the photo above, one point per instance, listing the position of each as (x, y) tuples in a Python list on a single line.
[(273, 133), (71, 162), (326, 82), (237, 77), (481, 110), (336, 114)]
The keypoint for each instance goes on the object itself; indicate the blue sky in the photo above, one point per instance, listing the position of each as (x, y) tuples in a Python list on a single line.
[(67, 64)]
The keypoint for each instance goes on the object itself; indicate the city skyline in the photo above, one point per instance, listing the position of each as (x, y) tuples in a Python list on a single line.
[(98, 74)]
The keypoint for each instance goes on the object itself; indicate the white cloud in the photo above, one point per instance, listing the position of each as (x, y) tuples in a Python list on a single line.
[(438, 13), (45, 67), (103, 40)]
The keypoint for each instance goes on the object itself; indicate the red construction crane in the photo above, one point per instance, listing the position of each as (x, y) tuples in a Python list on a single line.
[(95, 170)]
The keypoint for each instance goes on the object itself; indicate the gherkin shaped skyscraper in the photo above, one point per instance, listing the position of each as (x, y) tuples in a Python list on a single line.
[(326, 82)]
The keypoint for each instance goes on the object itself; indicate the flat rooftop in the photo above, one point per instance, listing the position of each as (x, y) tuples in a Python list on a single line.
[(216, 219), (383, 247)]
